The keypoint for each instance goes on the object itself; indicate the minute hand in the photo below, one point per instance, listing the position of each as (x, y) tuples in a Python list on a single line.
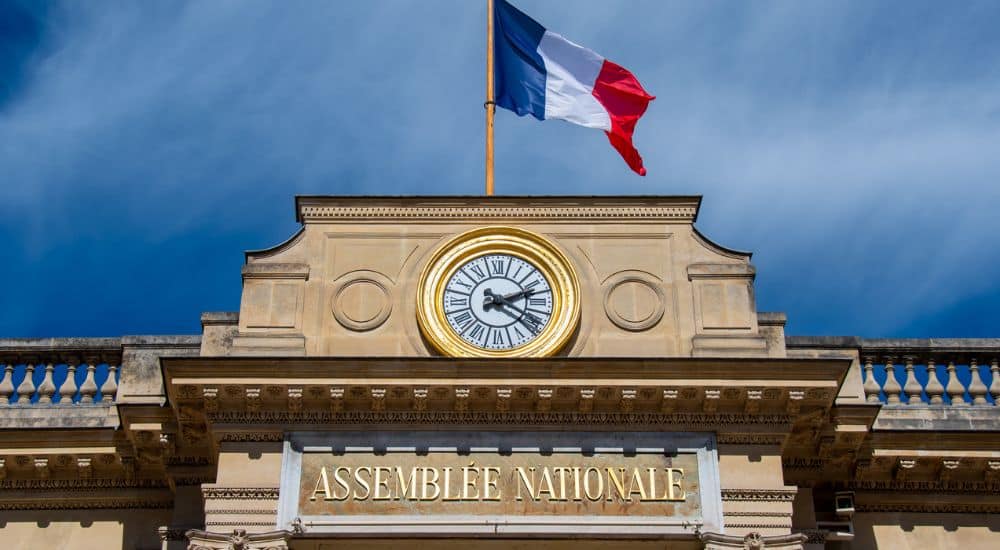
[(518, 294)]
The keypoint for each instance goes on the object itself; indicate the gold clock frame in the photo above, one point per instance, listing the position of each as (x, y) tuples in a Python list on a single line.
[(526, 245)]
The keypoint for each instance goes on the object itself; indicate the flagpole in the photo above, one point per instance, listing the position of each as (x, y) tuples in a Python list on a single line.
[(490, 100)]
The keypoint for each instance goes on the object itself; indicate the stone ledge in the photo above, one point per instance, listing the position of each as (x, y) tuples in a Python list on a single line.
[(220, 318), (772, 318), (939, 418), (48, 344), (161, 341), (899, 345), (36, 416)]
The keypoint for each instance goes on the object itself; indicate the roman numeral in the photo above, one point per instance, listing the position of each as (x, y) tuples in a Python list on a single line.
[(478, 271), (532, 284), (531, 322), (462, 318), (496, 266), (456, 301), (466, 285), (514, 276), (477, 331), (498, 338), (536, 301), (518, 332)]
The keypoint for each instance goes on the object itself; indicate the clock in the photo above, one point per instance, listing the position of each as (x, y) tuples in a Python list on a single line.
[(498, 292)]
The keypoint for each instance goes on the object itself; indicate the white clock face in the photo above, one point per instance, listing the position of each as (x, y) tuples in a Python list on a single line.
[(498, 302)]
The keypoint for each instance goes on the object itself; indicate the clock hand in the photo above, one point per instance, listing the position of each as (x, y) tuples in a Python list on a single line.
[(518, 294), (528, 320), (491, 298)]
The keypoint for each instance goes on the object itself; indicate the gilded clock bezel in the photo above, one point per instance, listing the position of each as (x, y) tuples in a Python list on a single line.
[(526, 245)]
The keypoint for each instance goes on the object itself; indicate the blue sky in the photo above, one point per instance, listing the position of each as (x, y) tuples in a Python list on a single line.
[(854, 147)]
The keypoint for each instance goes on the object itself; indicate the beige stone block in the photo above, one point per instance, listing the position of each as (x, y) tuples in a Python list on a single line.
[(250, 465), (916, 531), (82, 529)]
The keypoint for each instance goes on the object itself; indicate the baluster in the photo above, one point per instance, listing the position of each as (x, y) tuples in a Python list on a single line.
[(47, 388), (7, 386), (912, 387), (27, 387), (68, 388), (934, 389), (995, 384), (977, 390), (89, 388), (110, 386), (871, 385), (955, 388), (891, 387)]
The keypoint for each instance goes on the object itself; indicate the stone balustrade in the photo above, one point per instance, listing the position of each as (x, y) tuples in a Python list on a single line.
[(59, 371), (952, 372)]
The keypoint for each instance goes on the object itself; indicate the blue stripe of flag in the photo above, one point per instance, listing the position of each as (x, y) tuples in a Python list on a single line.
[(519, 69)]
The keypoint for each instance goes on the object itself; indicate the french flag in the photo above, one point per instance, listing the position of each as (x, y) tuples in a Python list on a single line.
[(542, 74)]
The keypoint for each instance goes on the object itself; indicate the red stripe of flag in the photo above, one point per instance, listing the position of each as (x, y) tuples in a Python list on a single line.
[(621, 94)]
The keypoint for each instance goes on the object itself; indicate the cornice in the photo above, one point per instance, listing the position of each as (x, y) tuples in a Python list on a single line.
[(232, 422), (324, 370), (681, 209)]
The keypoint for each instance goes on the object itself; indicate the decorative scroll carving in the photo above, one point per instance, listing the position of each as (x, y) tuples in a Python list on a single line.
[(336, 399), (503, 399), (238, 540), (754, 541), (627, 402), (462, 399)]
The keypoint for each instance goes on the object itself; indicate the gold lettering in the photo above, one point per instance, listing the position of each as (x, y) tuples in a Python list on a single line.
[(530, 486), (362, 482), (599, 493), (546, 480), (325, 481), (381, 483), (432, 482), (447, 485), (652, 484), (576, 483), (467, 483), (491, 483), (403, 486), (675, 483), (562, 471), (636, 482), (615, 483), (342, 482)]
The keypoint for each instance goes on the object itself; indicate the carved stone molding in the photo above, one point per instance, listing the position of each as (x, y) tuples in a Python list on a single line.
[(239, 539), (240, 493), (759, 495), (320, 209), (738, 438), (710, 421), (361, 300), (753, 541), (931, 507), (634, 300)]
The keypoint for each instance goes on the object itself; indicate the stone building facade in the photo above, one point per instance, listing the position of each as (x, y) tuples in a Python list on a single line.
[(657, 409)]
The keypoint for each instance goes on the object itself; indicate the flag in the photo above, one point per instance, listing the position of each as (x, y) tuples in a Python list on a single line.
[(541, 74)]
